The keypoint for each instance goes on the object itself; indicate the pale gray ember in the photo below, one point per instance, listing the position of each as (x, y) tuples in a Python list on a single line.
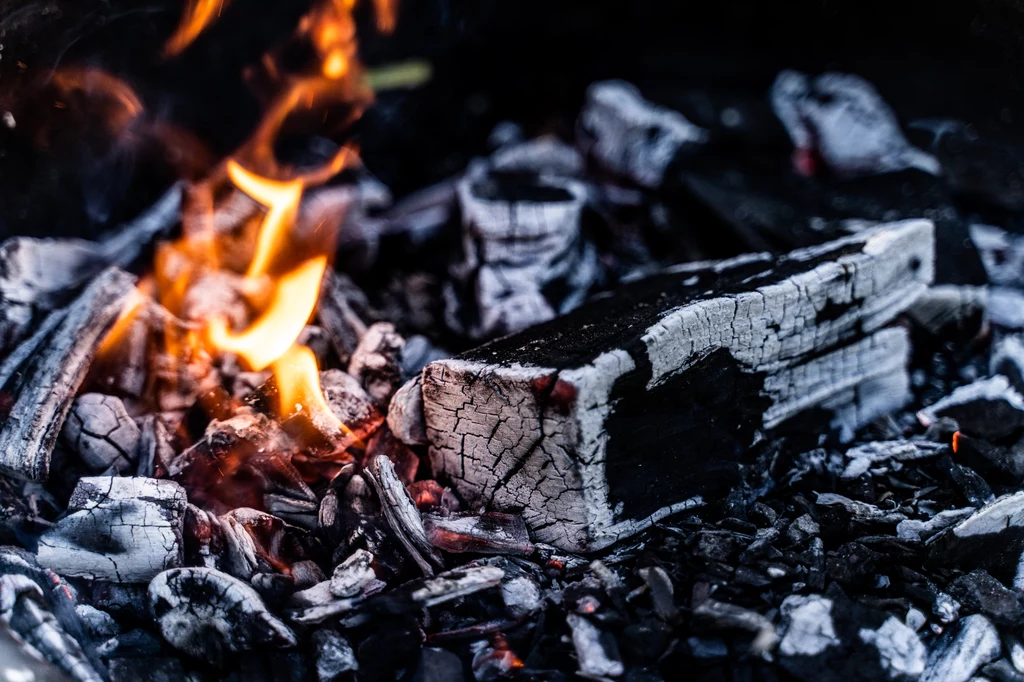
[(807, 628), (318, 603), (99, 429), (992, 388), (597, 655), (844, 119), (869, 455), (206, 614), (1003, 512), (1002, 254), (727, 616), (483, 533), (458, 582), (353, 575), (945, 608), (100, 624), (913, 529), (513, 249), (405, 413), (956, 656), (22, 609), (900, 650), (376, 361), (949, 304), (545, 154), (402, 515), (662, 593), (631, 136), (1006, 307), (117, 529), (522, 595), (860, 511), (335, 656), (502, 448)]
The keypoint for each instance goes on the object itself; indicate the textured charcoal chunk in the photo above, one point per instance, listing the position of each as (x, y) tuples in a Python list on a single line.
[(988, 408), (405, 413), (670, 378), (117, 529), (101, 432), (961, 651), (630, 136), (487, 533), (208, 614), (377, 361)]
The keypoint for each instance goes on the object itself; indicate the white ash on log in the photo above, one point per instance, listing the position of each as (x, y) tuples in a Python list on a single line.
[(117, 529), (524, 258), (630, 136), (669, 379), (53, 377), (99, 429), (377, 361), (208, 614)]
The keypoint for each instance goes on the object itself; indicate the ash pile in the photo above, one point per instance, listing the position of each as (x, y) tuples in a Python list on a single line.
[(545, 448)]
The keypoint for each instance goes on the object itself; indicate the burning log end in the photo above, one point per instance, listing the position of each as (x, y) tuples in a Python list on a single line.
[(207, 614)]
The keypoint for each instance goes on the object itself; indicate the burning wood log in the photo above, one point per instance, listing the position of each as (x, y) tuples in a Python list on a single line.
[(117, 529), (50, 383), (669, 380), (524, 259)]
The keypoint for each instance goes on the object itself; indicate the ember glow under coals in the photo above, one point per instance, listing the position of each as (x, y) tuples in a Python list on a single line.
[(725, 391)]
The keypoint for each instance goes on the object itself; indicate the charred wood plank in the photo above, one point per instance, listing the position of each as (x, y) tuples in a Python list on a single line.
[(51, 381), (667, 382)]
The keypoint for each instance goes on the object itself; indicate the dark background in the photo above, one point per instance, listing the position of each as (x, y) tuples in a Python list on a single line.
[(522, 60)]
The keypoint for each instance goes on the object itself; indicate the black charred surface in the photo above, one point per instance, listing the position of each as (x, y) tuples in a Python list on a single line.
[(689, 436)]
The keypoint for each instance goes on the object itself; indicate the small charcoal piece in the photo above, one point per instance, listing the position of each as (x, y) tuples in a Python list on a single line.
[(872, 455), (631, 137), (988, 408), (1002, 254), (999, 464), (524, 259), (52, 379), (955, 657), (350, 403), (741, 345), (99, 429), (721, 615), (340, 322), (597, 654), (402, 514), (117, 529), (486, 533), (405, 413), (22, 609), (841, 118), (662, 593), (992, 538), (1007, 359), (458, 582), (377, 361), (335, 657), (353, 575), (208, 614), (318, 603), (978, 592)]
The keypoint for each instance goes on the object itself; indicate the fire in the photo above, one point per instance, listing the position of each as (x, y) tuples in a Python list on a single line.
[(198, 15), (298, 384)]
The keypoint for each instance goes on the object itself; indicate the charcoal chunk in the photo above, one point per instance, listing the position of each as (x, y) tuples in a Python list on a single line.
[(979, 592)]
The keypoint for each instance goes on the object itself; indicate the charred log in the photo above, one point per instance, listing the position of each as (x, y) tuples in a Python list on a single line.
[(656, 379)]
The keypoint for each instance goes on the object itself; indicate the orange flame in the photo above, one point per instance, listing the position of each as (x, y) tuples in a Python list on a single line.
[(298, 384), (198, 15)]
